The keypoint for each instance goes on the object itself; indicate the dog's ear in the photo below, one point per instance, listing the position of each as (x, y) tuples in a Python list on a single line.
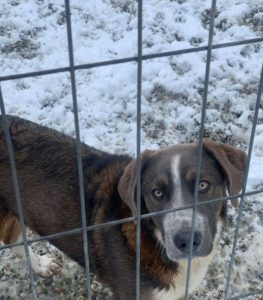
[(127, 186), (233, 162), (127, 182)]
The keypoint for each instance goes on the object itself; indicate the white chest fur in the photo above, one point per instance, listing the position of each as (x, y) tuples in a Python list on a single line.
[(177, 290), (198, 270)]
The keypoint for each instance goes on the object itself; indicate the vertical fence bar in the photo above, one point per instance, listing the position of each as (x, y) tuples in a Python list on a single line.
[(200, 143), (138, 151), (78, 148), (17, 192), (242, 198)]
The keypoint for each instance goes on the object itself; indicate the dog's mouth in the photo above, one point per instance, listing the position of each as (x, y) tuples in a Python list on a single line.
[(175, 255)]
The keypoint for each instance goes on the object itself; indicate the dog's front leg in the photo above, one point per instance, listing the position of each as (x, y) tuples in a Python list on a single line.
[(43, 265)]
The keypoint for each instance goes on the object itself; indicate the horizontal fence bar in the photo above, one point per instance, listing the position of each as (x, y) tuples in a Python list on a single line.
[(35, 73), (126, 220), (128, 59)]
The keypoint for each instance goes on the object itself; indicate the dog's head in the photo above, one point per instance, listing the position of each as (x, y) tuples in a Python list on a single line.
[(168, 181)]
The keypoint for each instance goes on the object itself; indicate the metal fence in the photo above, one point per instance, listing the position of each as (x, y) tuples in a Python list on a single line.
[(85, 229)]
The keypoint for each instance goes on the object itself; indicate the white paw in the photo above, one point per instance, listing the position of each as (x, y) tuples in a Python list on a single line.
[(46, 265)]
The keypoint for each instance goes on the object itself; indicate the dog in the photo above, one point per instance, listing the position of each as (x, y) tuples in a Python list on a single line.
[(46, 164)]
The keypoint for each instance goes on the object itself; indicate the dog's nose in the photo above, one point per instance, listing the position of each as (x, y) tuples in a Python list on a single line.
[(182, 241)]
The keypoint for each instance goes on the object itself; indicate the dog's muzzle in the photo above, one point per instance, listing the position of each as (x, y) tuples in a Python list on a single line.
[(177, 236)]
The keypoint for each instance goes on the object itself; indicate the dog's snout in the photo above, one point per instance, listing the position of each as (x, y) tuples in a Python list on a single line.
[(182, 241)]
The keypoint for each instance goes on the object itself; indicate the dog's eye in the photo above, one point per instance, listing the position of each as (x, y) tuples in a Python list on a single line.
[(157, 193), (203, 186)]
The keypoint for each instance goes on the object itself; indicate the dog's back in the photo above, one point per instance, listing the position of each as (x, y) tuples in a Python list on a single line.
[(46, 161)]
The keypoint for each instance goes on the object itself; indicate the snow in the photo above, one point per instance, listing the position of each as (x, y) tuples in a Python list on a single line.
[(33, 37)]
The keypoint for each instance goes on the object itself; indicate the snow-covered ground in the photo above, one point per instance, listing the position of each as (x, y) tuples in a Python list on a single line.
[(33, 37)]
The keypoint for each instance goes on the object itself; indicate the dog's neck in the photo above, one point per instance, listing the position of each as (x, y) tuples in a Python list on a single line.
[(153, 258)]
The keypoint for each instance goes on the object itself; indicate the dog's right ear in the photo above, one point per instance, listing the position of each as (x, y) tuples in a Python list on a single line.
[(127, 182), (232, 162)]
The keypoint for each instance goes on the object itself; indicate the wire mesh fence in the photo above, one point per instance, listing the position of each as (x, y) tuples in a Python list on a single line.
[(139, 59)]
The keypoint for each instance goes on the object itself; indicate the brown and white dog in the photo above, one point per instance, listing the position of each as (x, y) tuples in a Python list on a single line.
[(47, 171)]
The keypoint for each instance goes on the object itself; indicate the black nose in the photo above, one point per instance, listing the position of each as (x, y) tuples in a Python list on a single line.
[(182, 241)]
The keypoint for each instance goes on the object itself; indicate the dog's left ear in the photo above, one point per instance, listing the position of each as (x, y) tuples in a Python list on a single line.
[(233, 162), (127, 182)]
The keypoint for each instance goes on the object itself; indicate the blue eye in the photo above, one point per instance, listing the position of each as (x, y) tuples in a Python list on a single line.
[(203, 186), (157, 193)]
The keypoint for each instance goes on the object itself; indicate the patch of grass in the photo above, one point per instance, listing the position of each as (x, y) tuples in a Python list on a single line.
[(24, 48), (254, 19)]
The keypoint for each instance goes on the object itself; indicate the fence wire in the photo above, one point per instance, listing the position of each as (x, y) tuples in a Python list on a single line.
[(85, 229), (200, 143), (242, 198), (138, 150), (78, 148)]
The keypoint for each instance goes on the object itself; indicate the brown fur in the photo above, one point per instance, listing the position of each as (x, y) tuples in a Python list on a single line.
[(152, 261), (9, 228)]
